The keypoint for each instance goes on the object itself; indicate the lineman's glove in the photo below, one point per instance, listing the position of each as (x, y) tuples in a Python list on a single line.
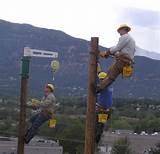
[(35, 103)]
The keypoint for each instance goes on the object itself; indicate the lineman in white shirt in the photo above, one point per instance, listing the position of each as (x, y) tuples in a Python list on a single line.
[(124, 54)]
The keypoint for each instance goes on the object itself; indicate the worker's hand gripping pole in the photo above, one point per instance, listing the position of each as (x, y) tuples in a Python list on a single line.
[(91, 100)]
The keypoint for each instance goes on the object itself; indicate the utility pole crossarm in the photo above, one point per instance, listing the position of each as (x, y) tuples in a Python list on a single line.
[(28, 52)]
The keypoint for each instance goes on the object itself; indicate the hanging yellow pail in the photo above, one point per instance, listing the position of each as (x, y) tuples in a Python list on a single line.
[(127, 71), (52, 123), (102, 118)]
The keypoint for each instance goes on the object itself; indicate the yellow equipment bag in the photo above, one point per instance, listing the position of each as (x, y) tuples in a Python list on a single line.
[(102, 118), (52, 123), (127, 71)]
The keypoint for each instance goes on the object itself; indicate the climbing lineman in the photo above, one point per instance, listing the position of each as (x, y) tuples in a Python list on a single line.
[(46, 107), (103, 107), (124, 56)]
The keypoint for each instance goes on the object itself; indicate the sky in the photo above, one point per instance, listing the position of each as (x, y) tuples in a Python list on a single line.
[(89, 18)]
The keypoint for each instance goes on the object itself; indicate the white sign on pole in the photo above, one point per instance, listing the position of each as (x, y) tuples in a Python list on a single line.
[(39, 53)]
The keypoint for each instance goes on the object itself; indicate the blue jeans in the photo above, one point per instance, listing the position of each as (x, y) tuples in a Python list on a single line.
[(37, 120)]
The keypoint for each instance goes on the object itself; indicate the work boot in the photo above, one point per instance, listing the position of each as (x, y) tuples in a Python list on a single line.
[(31, 132), (25, 140)]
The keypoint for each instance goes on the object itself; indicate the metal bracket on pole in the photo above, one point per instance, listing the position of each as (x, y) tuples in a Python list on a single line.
[(25, 67)]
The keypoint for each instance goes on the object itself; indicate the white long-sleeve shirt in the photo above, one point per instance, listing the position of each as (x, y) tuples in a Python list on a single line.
[(48, 104), (126, 44)]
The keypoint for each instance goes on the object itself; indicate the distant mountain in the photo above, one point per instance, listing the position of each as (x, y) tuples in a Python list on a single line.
[(73, 56), (149, 54)]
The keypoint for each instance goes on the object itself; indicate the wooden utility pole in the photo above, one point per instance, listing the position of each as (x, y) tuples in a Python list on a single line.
[(28, 53), (23, 101), (91, 100)]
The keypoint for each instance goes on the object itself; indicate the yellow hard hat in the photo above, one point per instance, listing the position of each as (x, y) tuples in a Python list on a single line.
[(102, 75), (51, 86), (124, 26)]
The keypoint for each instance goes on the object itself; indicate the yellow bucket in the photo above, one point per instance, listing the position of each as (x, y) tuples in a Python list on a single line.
[(127, 71), (102, 118), (52, 123)]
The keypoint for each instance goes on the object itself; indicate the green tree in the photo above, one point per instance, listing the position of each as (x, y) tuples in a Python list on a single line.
[(121, 146), (121, 124)]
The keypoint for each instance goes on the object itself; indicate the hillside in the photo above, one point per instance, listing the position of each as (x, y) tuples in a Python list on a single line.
[(72, 77)]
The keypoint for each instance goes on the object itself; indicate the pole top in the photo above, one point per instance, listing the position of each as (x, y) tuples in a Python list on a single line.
[(94, 37), (27, 52)]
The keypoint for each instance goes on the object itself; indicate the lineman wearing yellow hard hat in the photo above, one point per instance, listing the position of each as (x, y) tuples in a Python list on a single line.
[(104, 98), (46, 109), (124, 53), (103, 106)]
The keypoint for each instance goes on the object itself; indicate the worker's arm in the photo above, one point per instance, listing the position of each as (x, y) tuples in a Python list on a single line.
[(123, 40), (32, 104), (47, 102), (105, 54)]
